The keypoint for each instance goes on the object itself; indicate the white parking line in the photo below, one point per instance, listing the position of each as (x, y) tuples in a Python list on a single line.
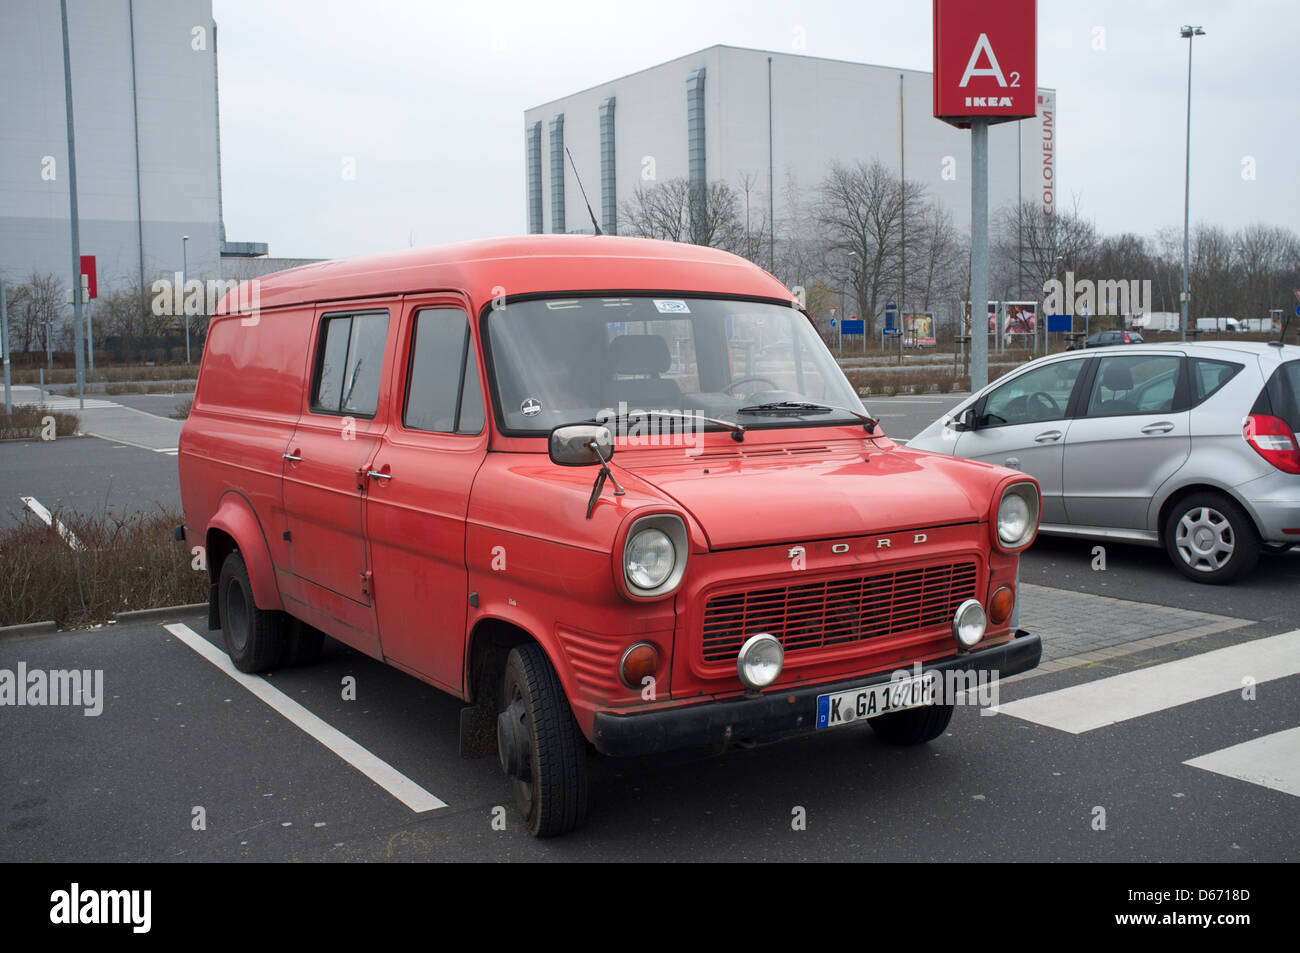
[(377, 770), (1108, 701), (1272, 761), (68, 537)]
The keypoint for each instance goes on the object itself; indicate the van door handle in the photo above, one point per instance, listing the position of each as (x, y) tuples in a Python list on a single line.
[(377, 475), (293, 458), (1048, 437), (1163, 426)]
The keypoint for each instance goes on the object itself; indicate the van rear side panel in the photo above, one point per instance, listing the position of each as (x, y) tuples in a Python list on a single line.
[(246, 404)]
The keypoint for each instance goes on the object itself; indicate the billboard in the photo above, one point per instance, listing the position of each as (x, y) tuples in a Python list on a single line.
[(965, 318), (1021, 318), (918, 329), (985, 60)]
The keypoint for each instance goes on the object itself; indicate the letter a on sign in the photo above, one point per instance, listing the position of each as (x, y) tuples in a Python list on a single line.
[(983, 44)]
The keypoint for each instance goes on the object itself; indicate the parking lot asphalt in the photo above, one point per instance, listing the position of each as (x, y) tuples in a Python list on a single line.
[(186, 764)]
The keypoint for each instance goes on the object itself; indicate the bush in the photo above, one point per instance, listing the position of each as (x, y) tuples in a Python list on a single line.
[(122, 563), (28, 421)]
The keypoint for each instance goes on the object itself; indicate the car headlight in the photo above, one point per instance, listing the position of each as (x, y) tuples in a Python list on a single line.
[(1017, 517), (649, 558), (654, 555)]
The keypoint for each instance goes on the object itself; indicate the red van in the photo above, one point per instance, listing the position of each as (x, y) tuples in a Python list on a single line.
[(605, 490)]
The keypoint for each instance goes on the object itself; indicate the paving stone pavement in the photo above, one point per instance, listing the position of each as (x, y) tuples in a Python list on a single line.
[(1078, 627)]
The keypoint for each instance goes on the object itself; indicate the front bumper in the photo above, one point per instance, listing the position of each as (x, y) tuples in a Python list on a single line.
[(792, 709)]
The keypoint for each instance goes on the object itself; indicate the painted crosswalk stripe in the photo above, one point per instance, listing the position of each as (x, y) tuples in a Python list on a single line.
[(376, 769), (1272, 761), (1109, 701), (48, 519)]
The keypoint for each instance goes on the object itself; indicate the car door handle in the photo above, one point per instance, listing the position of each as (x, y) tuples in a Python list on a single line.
[(1048, 436), (377, 475), (1162, 426), (293, 458)]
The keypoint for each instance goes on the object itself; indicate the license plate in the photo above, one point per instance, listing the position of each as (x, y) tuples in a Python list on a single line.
[(843, 708)]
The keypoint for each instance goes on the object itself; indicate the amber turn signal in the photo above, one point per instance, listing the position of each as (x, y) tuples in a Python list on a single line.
[(1001, 604), (639, 662)]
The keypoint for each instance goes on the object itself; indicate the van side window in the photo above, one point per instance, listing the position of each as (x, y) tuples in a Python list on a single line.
[(350, 364), (442, 389)]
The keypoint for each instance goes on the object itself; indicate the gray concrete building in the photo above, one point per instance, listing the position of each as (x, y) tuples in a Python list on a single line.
[(145, 105), (729, 113)]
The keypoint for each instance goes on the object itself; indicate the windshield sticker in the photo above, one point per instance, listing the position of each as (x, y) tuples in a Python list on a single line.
[(671, 307), (531, 407)]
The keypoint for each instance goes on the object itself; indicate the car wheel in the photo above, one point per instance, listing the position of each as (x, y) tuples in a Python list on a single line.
[(914, 726), (255, 638), (541, 749), (1211, 539)]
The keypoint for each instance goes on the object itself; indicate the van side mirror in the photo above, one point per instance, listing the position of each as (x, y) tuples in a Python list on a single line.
[(580, 445)]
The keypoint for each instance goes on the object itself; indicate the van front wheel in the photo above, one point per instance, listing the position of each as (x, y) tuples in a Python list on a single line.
[(255, 638), (542, 750)]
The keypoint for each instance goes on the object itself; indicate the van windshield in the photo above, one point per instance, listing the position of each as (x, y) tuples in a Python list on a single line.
[(558, 361)]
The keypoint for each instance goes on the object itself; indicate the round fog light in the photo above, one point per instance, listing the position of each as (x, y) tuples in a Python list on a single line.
[(761, 660), (969, 623)]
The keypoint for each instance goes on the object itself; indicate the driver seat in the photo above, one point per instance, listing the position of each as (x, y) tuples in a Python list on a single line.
[(636, 362)]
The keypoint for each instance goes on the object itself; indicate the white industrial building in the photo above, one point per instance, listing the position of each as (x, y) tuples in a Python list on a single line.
[(145, 106), (729, 113)]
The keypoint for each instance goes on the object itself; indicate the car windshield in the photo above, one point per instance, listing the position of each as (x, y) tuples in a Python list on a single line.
[(557, 361)]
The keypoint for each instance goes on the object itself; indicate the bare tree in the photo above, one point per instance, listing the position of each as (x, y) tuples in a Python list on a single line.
[(861, 208), (670, 211), (35, 307), (1032, 246)]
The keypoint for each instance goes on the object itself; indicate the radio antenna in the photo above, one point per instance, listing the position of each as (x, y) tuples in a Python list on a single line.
[(583, 191)]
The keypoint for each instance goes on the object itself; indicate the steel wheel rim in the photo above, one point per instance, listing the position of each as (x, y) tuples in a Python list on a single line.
[(1205, 539)]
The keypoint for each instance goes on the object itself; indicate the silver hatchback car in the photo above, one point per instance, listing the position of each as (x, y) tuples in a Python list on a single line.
[(1187, 446)]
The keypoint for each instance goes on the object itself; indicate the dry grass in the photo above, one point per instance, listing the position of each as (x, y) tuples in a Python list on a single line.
[(182, 411), (124, 563), (28, 420)]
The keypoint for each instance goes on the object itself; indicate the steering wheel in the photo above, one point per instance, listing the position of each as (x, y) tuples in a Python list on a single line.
[(1044, 400), (731, 388)]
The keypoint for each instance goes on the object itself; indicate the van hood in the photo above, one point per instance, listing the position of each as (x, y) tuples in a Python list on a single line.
[(740, 502)]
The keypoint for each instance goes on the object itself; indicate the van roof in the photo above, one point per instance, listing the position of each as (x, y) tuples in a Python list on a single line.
[(528, 264)]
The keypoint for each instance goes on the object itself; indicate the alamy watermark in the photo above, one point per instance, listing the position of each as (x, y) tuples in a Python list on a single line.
[(1104, 297), (180, 298), (661, 427), (78, 688)]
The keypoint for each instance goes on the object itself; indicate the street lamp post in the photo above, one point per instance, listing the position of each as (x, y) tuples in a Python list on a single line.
[(1187, 33), (185, 267)]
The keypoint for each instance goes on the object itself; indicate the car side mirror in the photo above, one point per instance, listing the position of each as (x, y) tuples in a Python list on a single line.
[(580, 445), (966, 421)]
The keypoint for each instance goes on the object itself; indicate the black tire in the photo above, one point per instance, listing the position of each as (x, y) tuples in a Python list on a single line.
[(255, 638), (303, 643), (914, 726), (553, 796), (1210, 538)]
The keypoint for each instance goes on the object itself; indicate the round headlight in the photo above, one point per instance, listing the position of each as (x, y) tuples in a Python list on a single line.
[(649, 558), (969, 623), (1013, 519), (761, 660)]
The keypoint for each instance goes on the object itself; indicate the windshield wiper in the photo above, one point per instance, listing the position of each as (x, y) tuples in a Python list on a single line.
[(794, 408), (737, 430)]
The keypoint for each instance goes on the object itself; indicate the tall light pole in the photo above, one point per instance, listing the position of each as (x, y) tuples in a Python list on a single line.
[(185, 267), (1187, 33)]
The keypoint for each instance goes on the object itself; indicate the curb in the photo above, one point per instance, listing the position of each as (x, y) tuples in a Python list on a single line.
[(165, 612), (29, 630)]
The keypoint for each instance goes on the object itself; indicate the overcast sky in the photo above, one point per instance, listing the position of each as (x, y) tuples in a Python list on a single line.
[(428, 99)]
